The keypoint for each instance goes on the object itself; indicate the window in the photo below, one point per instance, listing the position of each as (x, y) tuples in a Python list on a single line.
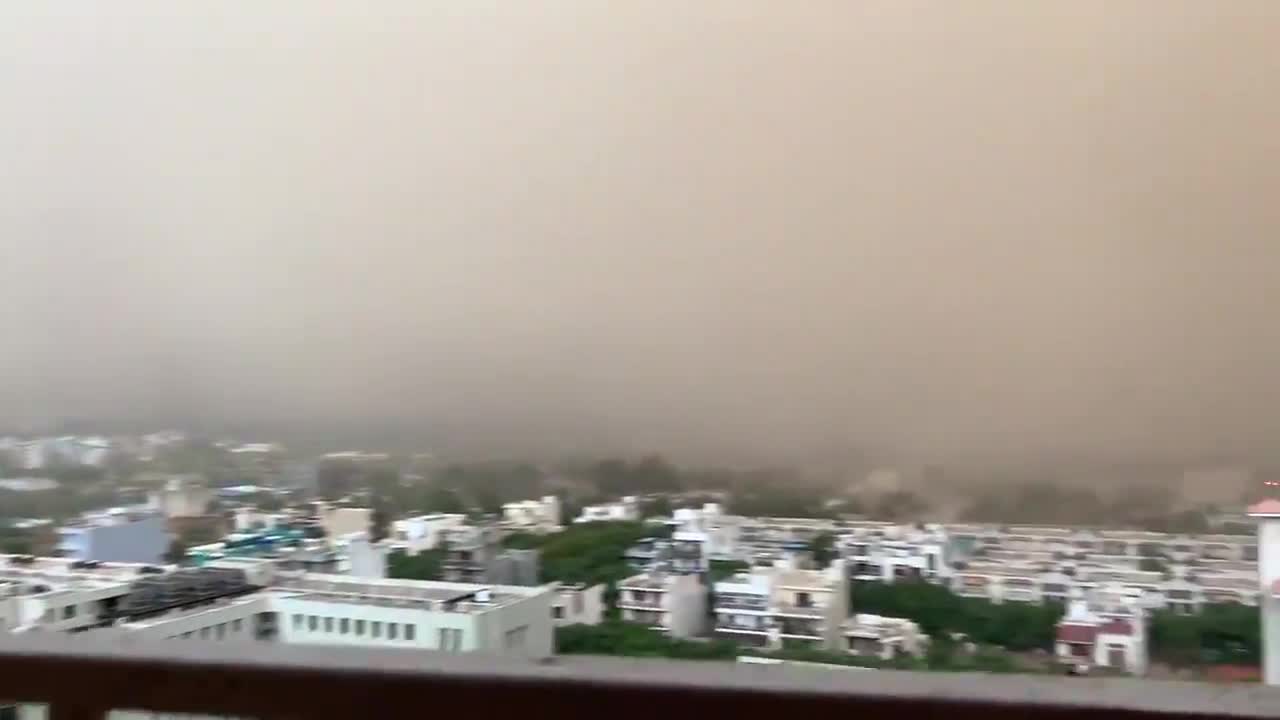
[(187, 635), (360, 627), (68, 612), (328, 624), (344, 626), (313, 623), (204, 633), (409, 631), (393, 631), (375, 628), (236, 625), (297, 621), (222, 630), (450, 639), (557, 612)]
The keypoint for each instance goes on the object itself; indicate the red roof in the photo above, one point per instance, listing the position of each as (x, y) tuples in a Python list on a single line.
[(1116, 627), (1270, 506), (1077, 633)]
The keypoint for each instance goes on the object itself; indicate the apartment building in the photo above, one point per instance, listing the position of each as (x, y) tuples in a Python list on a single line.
[(117, 535), (674, 604), (773, 606), (246, 600), (577, 605), (1107, 627), (339, 521), (536, 516), (625, 510), (183, 496), (681, 554), (413, 535), (475, 554), (896, 553), (882, 637)]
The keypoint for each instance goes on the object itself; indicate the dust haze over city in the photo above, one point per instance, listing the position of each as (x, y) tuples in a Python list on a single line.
[(727, 231)]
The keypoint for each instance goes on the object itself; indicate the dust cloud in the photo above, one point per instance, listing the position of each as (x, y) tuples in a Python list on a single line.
[(725, 228)]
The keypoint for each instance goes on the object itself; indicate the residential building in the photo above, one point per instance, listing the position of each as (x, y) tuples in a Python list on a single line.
[(1267, 515), (680, 554), (625, 510), (537, 516), (776, 605), (577, 605), (897, 553), (475, 554), (882, 637), (674, 604), (250, 601), (339, 521), (183, 496), (1106, 627), (115, 536), (423, 532)]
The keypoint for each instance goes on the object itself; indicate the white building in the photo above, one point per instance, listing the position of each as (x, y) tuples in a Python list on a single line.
[(674, 604), (423, 532), (883, 637), (888, 554), (248, 601), (1107, 627), (1267, 513), (577, 605), (182, 496), (625, 510), (339, 521), (540, 516), (769, 606)]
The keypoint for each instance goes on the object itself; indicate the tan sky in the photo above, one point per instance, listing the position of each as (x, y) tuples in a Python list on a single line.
[(727, 226)]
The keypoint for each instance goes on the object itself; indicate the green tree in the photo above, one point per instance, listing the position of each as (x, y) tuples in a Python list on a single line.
[(823, 548), (426, 565)]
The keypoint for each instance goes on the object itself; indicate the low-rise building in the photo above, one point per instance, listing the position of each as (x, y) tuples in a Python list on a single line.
[(883, 637), (248, 601), (1104, 628), (117, 535), (577, 605), (537, 516), (771, 606), (625, 510), (413, 535), (674, 604)]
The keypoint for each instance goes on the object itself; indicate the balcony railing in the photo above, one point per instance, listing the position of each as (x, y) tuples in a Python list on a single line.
[(82, 680)]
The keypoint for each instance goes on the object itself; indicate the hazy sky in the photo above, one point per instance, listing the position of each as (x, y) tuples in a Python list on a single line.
[(723, 226)]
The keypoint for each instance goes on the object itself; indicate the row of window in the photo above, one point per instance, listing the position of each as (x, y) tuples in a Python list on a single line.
[(358, 628)]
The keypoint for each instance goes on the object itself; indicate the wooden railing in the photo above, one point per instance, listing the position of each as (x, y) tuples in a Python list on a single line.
[(83, 679)]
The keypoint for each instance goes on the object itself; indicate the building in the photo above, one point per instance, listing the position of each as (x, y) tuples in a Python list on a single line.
[(1267, 515), (539, 516), (674, 604), (115, 536), (423, 532), (889, 554), (768, 607), (475, 554), (625, 510), (1106, 628), (577, 605), (248, 601), (339, 521), (183, 496), (680, 554), (882, 637)]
